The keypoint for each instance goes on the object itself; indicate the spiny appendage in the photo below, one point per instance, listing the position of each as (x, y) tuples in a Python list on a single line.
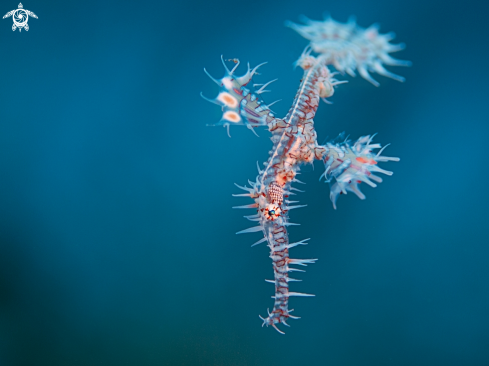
[(351, 165), (240, 105), (278, 243), (272, 207), (349, 47)]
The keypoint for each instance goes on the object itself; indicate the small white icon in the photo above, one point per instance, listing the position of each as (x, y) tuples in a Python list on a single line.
[(20, 17)]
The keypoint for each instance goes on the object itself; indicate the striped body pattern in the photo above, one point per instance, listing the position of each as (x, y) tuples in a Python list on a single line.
[(345, 47)]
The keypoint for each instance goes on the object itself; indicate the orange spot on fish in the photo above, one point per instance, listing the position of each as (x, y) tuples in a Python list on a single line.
[(232, 116), (366, 161), (228, 100)]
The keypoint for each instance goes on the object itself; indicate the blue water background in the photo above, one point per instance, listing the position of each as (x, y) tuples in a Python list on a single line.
[(117, 237)]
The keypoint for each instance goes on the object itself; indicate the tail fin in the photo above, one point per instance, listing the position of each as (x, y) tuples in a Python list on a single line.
[(349, 47)]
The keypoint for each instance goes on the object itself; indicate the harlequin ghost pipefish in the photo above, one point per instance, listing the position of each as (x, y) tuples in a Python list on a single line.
[(345, 47)]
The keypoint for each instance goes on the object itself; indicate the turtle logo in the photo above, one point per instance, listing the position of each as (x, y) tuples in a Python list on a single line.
[(20, 17)]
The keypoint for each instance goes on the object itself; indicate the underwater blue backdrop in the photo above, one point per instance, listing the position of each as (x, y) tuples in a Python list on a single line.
[(117, 237)]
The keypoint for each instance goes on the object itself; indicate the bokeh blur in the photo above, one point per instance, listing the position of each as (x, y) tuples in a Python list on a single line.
[(117, 237)]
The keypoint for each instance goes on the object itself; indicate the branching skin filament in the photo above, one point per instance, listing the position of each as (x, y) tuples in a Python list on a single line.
[(348, 48)]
